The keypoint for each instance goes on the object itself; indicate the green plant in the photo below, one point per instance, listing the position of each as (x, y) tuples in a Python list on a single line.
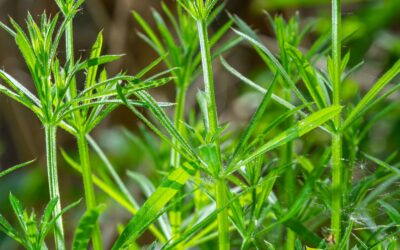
[(39, 49), (201, 11), (33, 232), (206, 159), (184, 62), (59, 104), (317, 91), (337, 140), (13, 168), (283, 179)]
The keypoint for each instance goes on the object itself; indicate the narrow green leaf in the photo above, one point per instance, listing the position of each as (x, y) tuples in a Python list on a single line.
[(151, 66), (363, 105), (169, 126), (33, 233), (277, 66), (25, 47), (299, 129), (243, 142), (124, 199), (256, 86), (92, 62), (382, 164), (132, 88), (17, 86), (152, 208), (266, 189), (8, 29), (85, 228), (152, 36), (53, 221), (392, 212), (95, 53), (6, 228), (12, 169), (19, 212), (46, 217), (309, 76), (148, 189)]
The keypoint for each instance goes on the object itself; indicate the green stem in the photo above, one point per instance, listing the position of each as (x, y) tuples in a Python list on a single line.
[(287, 157), (212, 128), (51, 156), (290, 189), (83, 147), (337, 139), (208, 77), (179, 116), (69, 47), (88, 186), (223, 219), (176, 216)]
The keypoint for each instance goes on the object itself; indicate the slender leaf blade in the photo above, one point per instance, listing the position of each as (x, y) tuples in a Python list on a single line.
[(151, 209)]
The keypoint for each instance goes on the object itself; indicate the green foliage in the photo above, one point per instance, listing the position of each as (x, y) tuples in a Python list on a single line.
[(85, 228), (276, 181), (199, 9), (16, 167), (154, 205), (33, 232)]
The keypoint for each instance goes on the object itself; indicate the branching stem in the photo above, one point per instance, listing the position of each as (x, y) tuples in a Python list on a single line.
[(212, 128)]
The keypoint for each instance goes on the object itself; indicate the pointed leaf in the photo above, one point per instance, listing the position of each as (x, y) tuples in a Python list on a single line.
[(85, 228), (151, 209), (299, 129), (6, 228), (275, 63), (19, 212), (12, 169), (363, 105)]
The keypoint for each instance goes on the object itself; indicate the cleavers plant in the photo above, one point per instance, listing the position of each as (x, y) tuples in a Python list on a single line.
[(257, 185), (59, 104)]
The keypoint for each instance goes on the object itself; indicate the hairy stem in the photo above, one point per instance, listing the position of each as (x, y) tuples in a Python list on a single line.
[(337, 139), (51, 156), (212, 127), (212, 118), (90, 196)]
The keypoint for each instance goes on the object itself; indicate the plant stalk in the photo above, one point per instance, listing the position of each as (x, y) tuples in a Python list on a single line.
[(337, 139), (54, 191), (176, 216), (179, 116), (287, 158), (90, 196), (208, 77), (69, 47), (290, 190), (212, 128), (223, 216), (83, 147)]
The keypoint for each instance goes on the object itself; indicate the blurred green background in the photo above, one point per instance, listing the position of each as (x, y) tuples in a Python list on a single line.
[(373, 34)]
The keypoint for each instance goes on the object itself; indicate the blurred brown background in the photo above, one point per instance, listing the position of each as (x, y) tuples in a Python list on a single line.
[(19, 127)]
